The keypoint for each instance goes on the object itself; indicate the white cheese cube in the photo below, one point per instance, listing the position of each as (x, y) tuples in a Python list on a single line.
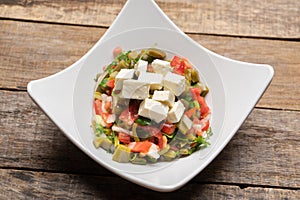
[(135, 89), (176, 112), (155, 80), (175, 83), (185, 124), (153, 151), (161, 66), (153, 110), (124, 74), (141, 66), (166, 97)]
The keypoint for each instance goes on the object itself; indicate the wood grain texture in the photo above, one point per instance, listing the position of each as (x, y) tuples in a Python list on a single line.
[(265, 151), (42, 37), (32, 51), (276, 18), (18, 184)]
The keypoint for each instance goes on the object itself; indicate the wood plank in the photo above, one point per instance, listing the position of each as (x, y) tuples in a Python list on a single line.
[(32, 51), (265, 150), (28, 139), (17, 184), (276, 18)]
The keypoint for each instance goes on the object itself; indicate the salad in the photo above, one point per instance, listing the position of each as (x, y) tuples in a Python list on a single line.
[(147, 108)]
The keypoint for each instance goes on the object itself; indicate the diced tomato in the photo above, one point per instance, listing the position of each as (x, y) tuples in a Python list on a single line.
[(195, 93), (193, 144), (160, 141), (186, 63), (180, 65), (176, 61), (124, 138), (196, 121), (105, 117), (189, 113), (111, 83), (126, 117), (179, 70), (154, 132), (204, 109), (199, 133), (168, 128), (130, 114), (98, 111), (177, 65), (204, 125), (141, 147), (205, 128), (107, 106), (98, 106)]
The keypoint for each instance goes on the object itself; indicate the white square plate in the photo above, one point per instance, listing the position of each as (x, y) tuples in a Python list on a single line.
[(235, 88)]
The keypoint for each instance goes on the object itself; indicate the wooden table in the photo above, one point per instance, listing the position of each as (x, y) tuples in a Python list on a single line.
[(41, 37)]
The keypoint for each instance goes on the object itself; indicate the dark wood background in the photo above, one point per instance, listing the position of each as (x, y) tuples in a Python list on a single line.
[(41, 37)]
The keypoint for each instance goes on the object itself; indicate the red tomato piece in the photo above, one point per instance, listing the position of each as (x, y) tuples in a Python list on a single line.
[(179, 70), (130, 114), (105, 117), (189, 113), (204, 109), (186, 63), (141, 147), (126, 117), (98, 106), (160, 141), (180, 65), (107, 106), (195, 93), (205, 128), (176, 61), (168, 128), (154, 132), (124, 138), (111, 83)]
